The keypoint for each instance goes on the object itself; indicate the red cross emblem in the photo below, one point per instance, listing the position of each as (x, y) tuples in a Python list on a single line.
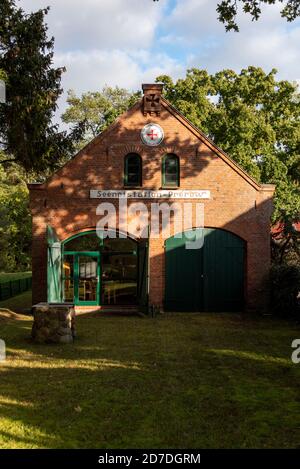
[(152, 134)]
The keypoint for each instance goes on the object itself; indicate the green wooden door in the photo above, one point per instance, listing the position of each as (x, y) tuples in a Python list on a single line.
[(143, 268), (210, 278), (87, 278), (223, 271), (54, 290), (184, 271)]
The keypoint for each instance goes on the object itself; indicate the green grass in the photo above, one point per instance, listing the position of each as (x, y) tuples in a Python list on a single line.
[(176, 381), (5, 277), (18, 303)]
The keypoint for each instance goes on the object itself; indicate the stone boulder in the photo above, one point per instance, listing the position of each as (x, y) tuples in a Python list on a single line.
[(53, 323)]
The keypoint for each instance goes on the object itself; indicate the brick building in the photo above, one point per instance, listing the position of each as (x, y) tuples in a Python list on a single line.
[(152, 152)]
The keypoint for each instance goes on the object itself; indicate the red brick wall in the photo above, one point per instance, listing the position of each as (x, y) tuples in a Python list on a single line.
[(237, 203)]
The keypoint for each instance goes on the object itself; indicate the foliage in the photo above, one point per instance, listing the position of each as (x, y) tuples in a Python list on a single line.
[(8, 276), (285, 288), (3, 75), (285, 243), (15, 221), (27, 133), (228, 10), (95, 111), (255, 118)]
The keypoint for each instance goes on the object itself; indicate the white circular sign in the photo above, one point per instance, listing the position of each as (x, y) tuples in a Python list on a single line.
[(152, 134)]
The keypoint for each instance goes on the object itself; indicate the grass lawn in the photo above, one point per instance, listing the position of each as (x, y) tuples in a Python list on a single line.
[(18, 303), (176, 381), (6, 277)]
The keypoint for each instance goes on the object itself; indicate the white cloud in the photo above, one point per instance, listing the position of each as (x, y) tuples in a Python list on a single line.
[(269, 43), (127, 42), (105, 42), (91, 71), (267, 49), (193, 19), (196, 19), (99, 24)]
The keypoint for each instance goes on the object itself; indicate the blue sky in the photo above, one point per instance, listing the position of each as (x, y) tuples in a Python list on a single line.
[(127, 42)]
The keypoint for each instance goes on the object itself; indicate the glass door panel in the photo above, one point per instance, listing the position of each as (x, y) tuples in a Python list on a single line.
[(118, 268), (88, 279), (119, 278)]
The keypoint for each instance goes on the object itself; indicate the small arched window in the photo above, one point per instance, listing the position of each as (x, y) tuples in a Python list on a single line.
[(133, 170), (170, 171)]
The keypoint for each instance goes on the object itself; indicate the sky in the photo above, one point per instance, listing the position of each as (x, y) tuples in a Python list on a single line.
[(129, 42)]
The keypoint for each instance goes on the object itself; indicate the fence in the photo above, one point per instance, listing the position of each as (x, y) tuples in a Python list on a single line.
[(14, 287)]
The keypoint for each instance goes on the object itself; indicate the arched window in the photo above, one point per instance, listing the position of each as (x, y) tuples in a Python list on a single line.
[(133, 170), (170, 170)]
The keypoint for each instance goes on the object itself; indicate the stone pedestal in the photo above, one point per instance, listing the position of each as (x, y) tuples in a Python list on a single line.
[(53, 323)]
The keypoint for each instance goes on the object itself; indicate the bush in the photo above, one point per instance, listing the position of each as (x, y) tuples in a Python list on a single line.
[(15, 221), (285, 288)]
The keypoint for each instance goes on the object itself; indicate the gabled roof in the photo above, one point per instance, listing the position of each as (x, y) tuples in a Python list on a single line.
[(192, 128)]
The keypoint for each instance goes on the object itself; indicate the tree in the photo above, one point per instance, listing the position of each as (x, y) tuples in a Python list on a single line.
[(94, 111), (254, 118), (228, 10), (27, 134), (15, 220), (285, 243), (3, 76)]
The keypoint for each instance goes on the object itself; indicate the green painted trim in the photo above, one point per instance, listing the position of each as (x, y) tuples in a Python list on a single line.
[(76, 254), (51, 236), (82, 233), (73, 253), (54, 256), (125, 173), (163, 171), (76, 278), (211, 278), (54, 259)]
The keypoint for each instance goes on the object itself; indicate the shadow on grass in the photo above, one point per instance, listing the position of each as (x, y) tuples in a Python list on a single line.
[(170, 382)]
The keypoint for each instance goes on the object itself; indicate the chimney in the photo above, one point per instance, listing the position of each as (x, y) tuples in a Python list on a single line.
[(151, 100)]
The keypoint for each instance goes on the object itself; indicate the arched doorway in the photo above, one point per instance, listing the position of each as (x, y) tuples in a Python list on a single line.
[(210, 278), (100, 271)]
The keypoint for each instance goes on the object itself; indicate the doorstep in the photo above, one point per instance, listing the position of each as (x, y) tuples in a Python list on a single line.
[(114, 309)]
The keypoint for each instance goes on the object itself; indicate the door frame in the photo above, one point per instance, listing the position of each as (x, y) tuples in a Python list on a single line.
[(98, 254), (76, 255), (204, 301)]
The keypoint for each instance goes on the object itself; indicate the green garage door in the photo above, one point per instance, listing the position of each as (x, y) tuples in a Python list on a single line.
[(210, 278)]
